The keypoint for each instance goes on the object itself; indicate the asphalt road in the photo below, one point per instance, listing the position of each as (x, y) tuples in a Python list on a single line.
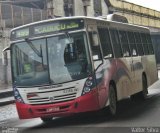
[(133, 116)]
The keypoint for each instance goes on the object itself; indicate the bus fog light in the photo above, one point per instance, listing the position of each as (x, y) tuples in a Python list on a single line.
[(17, 96)]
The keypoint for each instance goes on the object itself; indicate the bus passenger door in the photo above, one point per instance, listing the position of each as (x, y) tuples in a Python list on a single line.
[(98, 64)]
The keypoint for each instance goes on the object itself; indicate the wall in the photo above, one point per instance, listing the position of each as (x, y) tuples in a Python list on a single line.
[(78, 8), (5, 71), (105, 9)]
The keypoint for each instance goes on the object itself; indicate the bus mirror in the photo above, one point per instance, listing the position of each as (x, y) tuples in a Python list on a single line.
[(4, 56), (95, 39)]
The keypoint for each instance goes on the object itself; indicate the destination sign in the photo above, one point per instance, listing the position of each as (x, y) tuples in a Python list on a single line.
[(55, 27), (47, 28)]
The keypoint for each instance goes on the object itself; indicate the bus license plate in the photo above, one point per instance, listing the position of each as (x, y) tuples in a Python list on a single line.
[(53, 109)]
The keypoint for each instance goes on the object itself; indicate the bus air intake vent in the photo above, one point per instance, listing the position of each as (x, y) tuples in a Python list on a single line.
[(55, 96)]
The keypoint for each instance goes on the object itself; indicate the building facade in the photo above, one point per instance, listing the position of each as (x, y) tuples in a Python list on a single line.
[(77, 8), (12, 16)]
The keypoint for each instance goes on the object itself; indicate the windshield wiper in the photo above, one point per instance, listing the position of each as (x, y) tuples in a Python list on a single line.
[(34, 48), (69, 37)]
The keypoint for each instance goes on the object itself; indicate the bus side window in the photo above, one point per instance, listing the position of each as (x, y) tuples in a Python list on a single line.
[(116, 43), (149, 42), (139, 44), (132, 43), (124, 42), (95, 46), (144, 42), (105, 42)]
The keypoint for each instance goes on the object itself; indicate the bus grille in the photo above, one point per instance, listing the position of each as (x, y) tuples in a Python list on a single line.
[(51, 97)]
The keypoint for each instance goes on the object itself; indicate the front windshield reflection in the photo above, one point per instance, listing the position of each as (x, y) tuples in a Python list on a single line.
[(29, 68), (51, 60), (67, 61)]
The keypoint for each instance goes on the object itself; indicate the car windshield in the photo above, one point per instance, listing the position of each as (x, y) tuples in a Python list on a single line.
[(51, 60)]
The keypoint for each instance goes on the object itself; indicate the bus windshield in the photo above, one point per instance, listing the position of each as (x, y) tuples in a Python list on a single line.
[(50, 60)]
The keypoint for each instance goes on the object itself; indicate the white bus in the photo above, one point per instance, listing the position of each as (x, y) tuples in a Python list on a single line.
[(70, 65)]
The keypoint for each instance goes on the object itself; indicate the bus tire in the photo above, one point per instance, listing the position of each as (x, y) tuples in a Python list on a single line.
[(112, 100), (142, 95), (46, 119), (144, 92)]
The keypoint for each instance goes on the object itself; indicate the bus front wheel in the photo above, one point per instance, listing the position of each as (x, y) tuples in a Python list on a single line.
[(112, 101)]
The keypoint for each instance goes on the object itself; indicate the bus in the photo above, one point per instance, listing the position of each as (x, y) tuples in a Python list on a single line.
[(70, 65)]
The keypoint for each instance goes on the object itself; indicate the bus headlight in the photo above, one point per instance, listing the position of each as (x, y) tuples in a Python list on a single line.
[(86, 89), (89, 83), (17, 96), (88, 86)]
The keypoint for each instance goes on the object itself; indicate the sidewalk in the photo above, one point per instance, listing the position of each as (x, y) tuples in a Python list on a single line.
[(6, 96)]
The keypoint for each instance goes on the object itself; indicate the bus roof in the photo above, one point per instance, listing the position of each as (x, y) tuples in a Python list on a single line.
[(77, 17)]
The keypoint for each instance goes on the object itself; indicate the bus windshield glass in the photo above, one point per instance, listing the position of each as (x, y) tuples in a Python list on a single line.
[(50, 60)]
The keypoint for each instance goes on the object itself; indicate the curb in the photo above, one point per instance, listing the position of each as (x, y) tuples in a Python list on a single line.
[(6, 93), (6, 101), (6, 97)]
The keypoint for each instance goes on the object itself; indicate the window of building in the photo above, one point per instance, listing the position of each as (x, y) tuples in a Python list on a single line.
[(97, 8), (68, 8)]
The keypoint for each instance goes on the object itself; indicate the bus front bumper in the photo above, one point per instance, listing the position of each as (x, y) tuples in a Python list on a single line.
[(85, 103)]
